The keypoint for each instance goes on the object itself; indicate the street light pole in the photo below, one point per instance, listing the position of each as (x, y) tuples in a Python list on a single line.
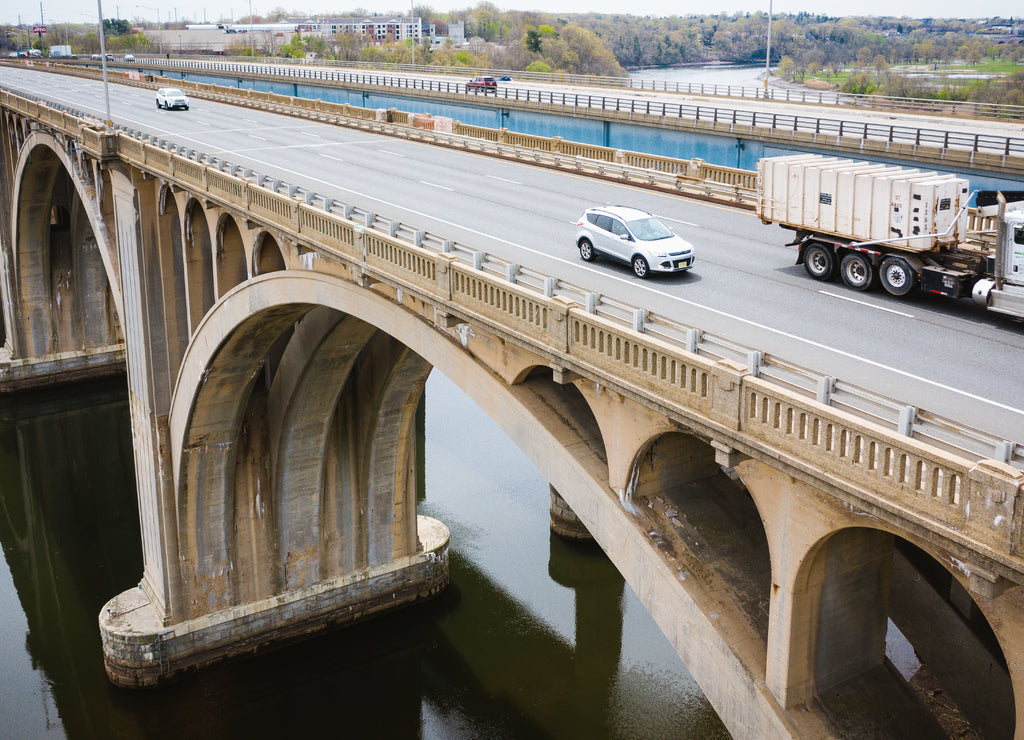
[(412, 12), (252, 49), (103, 57), (768, 50)]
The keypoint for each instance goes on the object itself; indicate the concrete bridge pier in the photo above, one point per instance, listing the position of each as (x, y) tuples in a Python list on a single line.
[(275, 458), (564, 521)]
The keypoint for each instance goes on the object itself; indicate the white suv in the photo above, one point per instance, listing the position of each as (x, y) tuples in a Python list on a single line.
[(171, 97), (634, 237)]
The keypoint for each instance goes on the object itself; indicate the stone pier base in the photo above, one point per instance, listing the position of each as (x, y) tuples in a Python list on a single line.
[(53, 370), (564, 521), (140, 651)]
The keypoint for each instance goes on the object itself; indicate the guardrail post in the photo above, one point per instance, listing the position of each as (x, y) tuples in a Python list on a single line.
[(692, 340), (392, 228), (591, 306), (512, 273), (549, 287), (754, 362), (417, 237), (368, 219), (309, 195), (826, 384), (639, 315), (905, 425), (478, 260), (446, 245), (1003, 452)]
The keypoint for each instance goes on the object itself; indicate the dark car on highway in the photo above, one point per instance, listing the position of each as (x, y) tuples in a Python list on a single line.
[(487, 84)]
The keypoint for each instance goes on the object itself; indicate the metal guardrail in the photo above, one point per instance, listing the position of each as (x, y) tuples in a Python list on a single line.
[(922, 424), (776, 122), (952, 108)]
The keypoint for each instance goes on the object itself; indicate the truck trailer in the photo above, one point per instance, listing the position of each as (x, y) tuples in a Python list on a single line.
[(874, 223)]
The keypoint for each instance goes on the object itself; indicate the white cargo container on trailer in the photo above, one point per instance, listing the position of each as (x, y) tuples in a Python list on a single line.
[(871, 223)]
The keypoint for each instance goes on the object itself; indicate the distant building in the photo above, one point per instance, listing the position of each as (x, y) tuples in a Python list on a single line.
[(457, 33), (376, 29)]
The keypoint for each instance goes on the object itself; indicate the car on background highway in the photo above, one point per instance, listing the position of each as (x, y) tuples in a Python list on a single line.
[(632, 236), (171, 97), (482, 83)]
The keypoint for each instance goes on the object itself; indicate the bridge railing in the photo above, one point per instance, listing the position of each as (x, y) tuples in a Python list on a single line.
[(775, 121), (325, 68)]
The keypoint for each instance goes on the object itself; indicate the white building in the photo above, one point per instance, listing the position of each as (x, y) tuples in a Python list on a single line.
[(376, 30)]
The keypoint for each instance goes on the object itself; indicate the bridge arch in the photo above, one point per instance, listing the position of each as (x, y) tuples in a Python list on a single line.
[(323, 378), (231, 262), (66, 285), (267, 254), (874, 598), (198, 261)]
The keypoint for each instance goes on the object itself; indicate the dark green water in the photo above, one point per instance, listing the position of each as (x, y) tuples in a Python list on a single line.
[(535, 638)]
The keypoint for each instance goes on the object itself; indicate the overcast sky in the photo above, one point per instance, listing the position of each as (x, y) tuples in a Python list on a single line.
[(77, 11)]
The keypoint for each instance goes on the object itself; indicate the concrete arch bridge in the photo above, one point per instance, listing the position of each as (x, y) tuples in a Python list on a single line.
[(276, 351)]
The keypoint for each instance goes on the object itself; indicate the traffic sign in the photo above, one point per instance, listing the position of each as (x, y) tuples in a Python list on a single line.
[(38, 29)]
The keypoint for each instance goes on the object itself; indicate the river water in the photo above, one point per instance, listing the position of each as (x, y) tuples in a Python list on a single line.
[(535, 638), (705, 74)]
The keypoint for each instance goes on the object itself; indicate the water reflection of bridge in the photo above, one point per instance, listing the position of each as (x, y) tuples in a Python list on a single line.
[(477, 659)]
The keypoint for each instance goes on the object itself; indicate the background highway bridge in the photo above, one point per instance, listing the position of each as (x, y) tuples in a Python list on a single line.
[(984, 144), (278, 290)]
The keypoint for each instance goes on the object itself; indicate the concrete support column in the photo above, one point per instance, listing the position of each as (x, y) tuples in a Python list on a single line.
[(564, 521), (626, 427), (148, 396), (856, 571), (830, 586)]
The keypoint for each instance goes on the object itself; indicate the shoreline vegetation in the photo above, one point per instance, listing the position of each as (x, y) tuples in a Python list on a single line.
[(980, 59)]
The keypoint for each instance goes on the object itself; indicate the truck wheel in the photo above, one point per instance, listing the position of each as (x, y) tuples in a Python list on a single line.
[(897, 276), (857, 271), (819, 261)]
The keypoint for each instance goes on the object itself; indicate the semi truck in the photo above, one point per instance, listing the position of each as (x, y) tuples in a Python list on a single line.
[(873, 224)]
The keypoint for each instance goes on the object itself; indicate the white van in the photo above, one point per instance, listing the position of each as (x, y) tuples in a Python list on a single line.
[(129, 58)]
